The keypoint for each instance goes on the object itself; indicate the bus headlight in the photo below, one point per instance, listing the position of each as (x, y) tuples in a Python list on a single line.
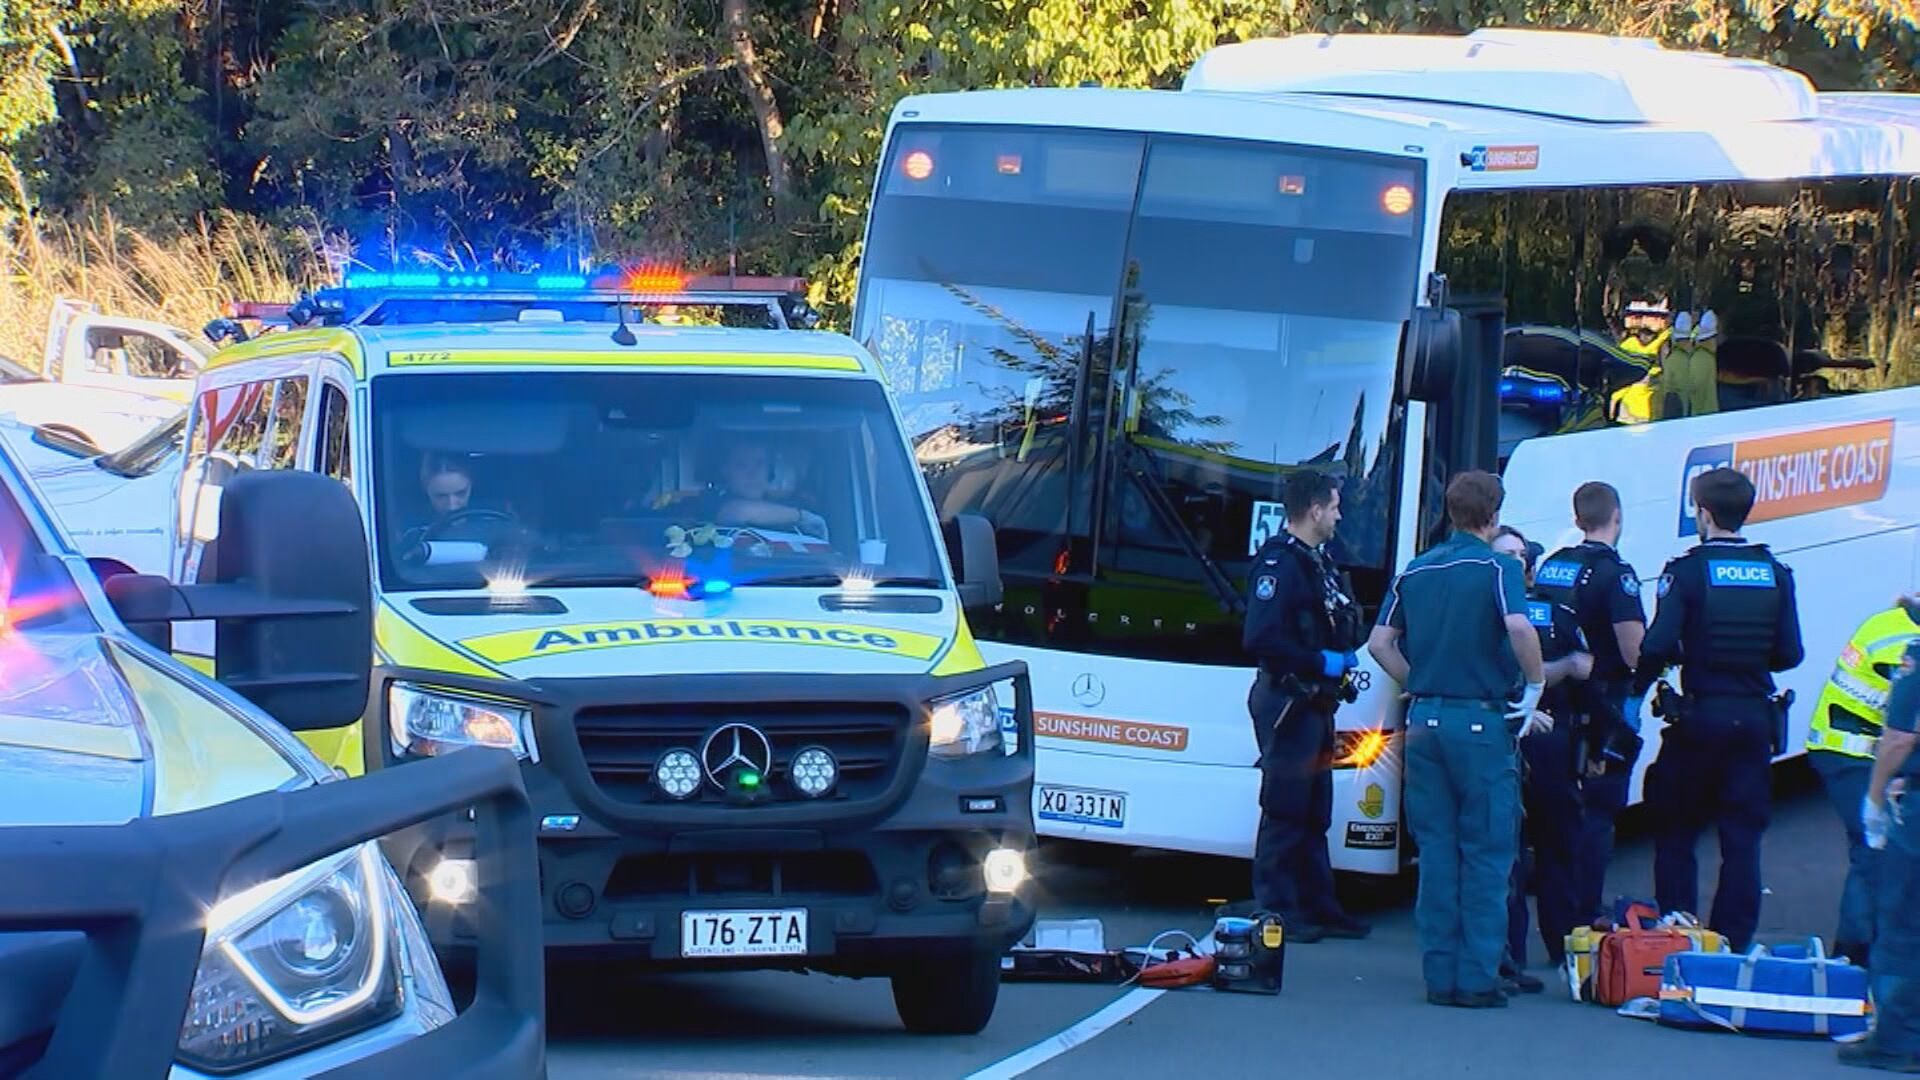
[(307, 958), (433, 722), (965, 724)]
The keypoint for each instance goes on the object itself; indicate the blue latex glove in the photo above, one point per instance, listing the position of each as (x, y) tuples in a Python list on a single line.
[(1353, 660), (1332, 664), (1636, 708)]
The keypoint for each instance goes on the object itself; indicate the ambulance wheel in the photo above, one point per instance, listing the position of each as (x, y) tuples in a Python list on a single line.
[(949, 995)]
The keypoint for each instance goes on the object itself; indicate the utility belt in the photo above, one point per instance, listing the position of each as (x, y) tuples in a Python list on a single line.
[(1676, 710), (1322, 693)]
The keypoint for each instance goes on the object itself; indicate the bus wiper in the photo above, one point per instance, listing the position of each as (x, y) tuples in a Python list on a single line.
[(1148, 484)]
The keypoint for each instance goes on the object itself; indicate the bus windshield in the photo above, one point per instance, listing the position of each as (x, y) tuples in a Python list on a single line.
[(593, 478), (1118, 345)]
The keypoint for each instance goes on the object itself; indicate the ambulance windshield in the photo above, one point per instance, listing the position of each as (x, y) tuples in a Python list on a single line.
[(590, 478)]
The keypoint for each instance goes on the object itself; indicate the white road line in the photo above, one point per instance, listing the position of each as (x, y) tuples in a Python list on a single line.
[(1047, 1049), (1053, 1046)]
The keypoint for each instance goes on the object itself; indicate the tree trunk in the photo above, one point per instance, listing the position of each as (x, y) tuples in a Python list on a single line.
[(766, 110)]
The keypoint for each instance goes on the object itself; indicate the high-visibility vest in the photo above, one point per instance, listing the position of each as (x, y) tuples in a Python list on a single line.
[(1853, 705)]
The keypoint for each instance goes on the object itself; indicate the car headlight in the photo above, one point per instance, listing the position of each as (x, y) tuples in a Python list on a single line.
[(965, 724), (434, 722), (308, 958)]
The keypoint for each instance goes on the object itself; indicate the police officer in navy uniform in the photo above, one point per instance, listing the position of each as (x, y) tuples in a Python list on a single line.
[(1303, 625), (1727, 616), (1604, 592), (1549, 786)]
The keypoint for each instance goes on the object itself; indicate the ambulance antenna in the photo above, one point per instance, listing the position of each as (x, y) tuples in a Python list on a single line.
[(623, 336)]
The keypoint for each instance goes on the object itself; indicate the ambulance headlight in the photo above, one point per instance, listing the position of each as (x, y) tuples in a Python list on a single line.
[(307, 958), (431, 722), (964, 725)]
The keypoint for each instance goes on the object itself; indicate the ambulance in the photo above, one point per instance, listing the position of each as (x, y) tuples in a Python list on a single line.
[(671, 550)]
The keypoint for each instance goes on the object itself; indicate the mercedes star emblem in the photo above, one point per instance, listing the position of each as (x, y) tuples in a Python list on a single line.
[(1088, 690), (734, 746)]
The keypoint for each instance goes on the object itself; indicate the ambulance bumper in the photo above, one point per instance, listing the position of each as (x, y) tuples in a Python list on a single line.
[(892, 868)]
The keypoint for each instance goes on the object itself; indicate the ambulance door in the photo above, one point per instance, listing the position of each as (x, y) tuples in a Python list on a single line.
[(249, 417), (327, 446)]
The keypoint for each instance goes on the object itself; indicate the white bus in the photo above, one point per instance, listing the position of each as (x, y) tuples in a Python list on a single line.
[(1115, 320)]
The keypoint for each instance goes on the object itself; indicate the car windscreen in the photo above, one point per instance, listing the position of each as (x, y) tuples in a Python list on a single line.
[(608, 478)]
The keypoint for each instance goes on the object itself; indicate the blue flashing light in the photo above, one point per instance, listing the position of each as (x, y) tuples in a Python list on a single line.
[(715, 587), (414, 281), (1542, 393), (369, 281), (560, 281)]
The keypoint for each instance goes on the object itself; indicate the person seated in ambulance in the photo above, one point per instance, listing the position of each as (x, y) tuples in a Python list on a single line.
[(741, 498), (458, 531)]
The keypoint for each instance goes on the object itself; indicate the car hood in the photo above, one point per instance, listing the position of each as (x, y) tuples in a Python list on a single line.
[(92, 734), (620, 632)]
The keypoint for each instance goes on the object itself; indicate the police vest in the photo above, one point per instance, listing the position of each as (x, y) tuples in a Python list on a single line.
[(1853, 705), (1741, 606), (1567, 571), (1338, 624)]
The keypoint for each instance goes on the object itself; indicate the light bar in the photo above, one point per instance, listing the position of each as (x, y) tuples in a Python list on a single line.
[(624, 281)]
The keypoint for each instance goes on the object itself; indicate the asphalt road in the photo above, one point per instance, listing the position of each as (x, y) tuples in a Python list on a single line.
[(1348, 1009)]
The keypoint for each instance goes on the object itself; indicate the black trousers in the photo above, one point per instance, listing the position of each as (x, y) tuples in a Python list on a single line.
[(1550, 834), (1292, 874), (1715, 769)]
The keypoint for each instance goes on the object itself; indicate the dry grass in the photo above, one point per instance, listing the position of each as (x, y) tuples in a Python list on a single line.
[(183, 281)]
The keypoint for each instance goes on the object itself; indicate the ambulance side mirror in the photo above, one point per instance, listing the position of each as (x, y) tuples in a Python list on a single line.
[(291, 599), (1430, 351), (976, 560)]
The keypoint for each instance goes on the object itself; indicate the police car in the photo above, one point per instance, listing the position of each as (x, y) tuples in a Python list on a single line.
[(672, 551), (188, 890)]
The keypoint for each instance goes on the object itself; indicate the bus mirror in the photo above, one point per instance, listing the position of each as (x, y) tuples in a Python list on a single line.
[(976, 559), (291, 599), (1430, 349)]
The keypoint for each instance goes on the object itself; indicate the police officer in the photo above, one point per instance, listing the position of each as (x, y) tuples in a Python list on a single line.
[(1604, 592), (1454, 632), (1892, 828), (1840, 741), (1549, 787), (1304, 625), (1727, 616)]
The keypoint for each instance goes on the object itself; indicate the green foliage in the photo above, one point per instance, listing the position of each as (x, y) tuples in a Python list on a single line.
[(489, 131)]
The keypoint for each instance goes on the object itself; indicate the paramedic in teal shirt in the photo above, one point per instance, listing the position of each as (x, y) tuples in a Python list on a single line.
[(1893, 828), (1454, 633)]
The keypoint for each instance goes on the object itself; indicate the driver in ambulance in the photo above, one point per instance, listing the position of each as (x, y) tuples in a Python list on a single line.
[(447, 482)]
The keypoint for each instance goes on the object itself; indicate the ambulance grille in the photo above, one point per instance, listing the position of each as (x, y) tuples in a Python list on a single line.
[(621, 743)]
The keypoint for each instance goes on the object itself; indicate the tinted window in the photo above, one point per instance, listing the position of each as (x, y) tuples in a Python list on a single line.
[(586, 479), (1116, 347), (1636, 305), (336, 456)]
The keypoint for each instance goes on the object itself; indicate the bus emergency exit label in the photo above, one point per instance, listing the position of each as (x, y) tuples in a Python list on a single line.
[(1802, 472)]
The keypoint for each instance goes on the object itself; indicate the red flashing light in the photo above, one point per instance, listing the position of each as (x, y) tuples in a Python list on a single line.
[(668, 588), (655, 280), (917, 165), (1397, 199), (1007, 164), (1293, 185)]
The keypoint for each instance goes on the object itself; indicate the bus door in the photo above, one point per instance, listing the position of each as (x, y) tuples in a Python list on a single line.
[(1463, 432)]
